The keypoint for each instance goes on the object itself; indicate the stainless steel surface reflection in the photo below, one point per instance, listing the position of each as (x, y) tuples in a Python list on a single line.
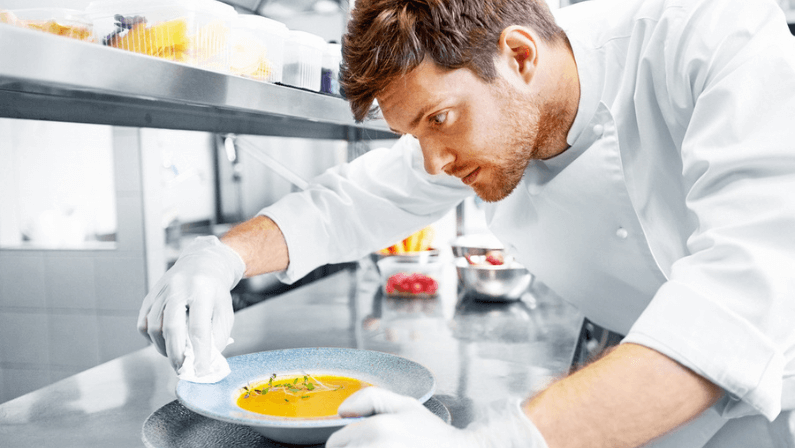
[(478, 353)]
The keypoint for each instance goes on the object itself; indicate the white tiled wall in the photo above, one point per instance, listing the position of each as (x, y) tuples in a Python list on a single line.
[(64, 311)]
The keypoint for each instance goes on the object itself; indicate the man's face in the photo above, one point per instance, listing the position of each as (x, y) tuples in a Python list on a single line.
[(483, 133)]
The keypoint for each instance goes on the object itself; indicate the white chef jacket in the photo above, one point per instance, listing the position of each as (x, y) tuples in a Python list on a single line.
[(685, 129)]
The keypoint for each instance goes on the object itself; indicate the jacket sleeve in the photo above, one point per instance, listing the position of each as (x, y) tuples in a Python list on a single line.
[(727, 310), (362, 206)]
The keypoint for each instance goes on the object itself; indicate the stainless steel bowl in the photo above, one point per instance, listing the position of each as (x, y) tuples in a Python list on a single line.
[(493, 283), (475, 244)]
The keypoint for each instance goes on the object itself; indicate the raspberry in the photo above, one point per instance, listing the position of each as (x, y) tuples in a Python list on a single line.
[(415, 283), (431, 287), (494, 260)]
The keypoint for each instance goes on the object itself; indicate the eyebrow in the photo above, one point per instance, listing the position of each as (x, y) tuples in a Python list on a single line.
[(425, 109)]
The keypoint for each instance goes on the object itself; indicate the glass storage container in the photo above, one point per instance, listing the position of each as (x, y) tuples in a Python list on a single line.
[(62, 22), (332, 57), (258, 47), (194, 32), (303, 58), (408, 275)]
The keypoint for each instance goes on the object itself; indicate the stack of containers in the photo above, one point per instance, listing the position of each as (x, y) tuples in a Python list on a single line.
[(62, 22), (303, 57), (258, 48), (194, 32), (207, 34)]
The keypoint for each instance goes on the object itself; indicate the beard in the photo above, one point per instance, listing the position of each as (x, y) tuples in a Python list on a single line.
[(527, 131)]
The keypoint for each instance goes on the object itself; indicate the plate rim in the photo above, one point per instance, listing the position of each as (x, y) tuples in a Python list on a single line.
[(262, 420)]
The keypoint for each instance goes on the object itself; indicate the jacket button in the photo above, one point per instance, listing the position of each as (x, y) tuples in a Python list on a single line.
[(622, 233), (598, 130)]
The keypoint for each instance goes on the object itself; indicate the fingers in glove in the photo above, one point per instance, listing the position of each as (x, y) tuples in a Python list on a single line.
[(200, 315), (400, 421), (143, 326), (154, 324), (175, 332), (375, 400), (154, 296), (418, 428), (223, 319), (366, 433), (345, 437)]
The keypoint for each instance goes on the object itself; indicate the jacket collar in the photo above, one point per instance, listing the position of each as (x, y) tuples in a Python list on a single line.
[(589, 69)]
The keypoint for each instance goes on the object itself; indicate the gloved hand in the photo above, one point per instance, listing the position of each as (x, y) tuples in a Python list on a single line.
[(400, 421), (192, 300)]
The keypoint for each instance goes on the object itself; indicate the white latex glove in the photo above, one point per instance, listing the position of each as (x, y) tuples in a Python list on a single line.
[(192, 302), (400, 421)]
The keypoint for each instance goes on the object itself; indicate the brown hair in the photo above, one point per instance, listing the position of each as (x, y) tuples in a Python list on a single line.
[(389, 38)]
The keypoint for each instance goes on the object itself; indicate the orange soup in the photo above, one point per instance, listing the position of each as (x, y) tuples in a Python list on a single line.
[(298, 396)]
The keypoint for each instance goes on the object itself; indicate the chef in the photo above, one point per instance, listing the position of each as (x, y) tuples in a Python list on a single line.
[(638, 156)]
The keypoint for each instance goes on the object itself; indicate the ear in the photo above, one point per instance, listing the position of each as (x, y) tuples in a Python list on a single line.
[(517, 54)]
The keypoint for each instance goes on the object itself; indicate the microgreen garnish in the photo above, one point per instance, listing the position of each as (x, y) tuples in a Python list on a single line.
[(297, 388)]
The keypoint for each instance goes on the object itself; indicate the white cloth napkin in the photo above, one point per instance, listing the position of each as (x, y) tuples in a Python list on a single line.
[(219, 368)]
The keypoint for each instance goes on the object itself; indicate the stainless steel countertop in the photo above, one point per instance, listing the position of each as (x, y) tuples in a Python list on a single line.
[(478, 353)]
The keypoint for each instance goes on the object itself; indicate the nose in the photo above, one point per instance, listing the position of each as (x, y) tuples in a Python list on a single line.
[(436, 155)]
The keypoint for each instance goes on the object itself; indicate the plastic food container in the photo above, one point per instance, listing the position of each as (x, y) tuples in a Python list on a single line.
[(411, 275), (258, 47), (62, 22), (303, 58), (330, 70), (194, 32)]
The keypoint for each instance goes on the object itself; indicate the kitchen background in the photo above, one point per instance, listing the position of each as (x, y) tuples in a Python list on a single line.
[(91, 216)]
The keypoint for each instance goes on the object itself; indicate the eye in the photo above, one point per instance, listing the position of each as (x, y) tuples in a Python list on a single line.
[(438, 119)]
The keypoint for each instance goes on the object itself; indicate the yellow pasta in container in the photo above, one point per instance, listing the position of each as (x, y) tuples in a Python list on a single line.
[(61, 22), (194, 32), (258, 48)]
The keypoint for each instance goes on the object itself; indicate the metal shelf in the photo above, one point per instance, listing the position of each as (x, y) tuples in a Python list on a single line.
[(48, 77)]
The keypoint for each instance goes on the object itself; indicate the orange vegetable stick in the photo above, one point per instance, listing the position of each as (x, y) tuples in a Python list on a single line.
[(411, 243)]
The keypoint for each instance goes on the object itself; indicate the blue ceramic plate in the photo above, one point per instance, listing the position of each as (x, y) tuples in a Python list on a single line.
[(217, 400)]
